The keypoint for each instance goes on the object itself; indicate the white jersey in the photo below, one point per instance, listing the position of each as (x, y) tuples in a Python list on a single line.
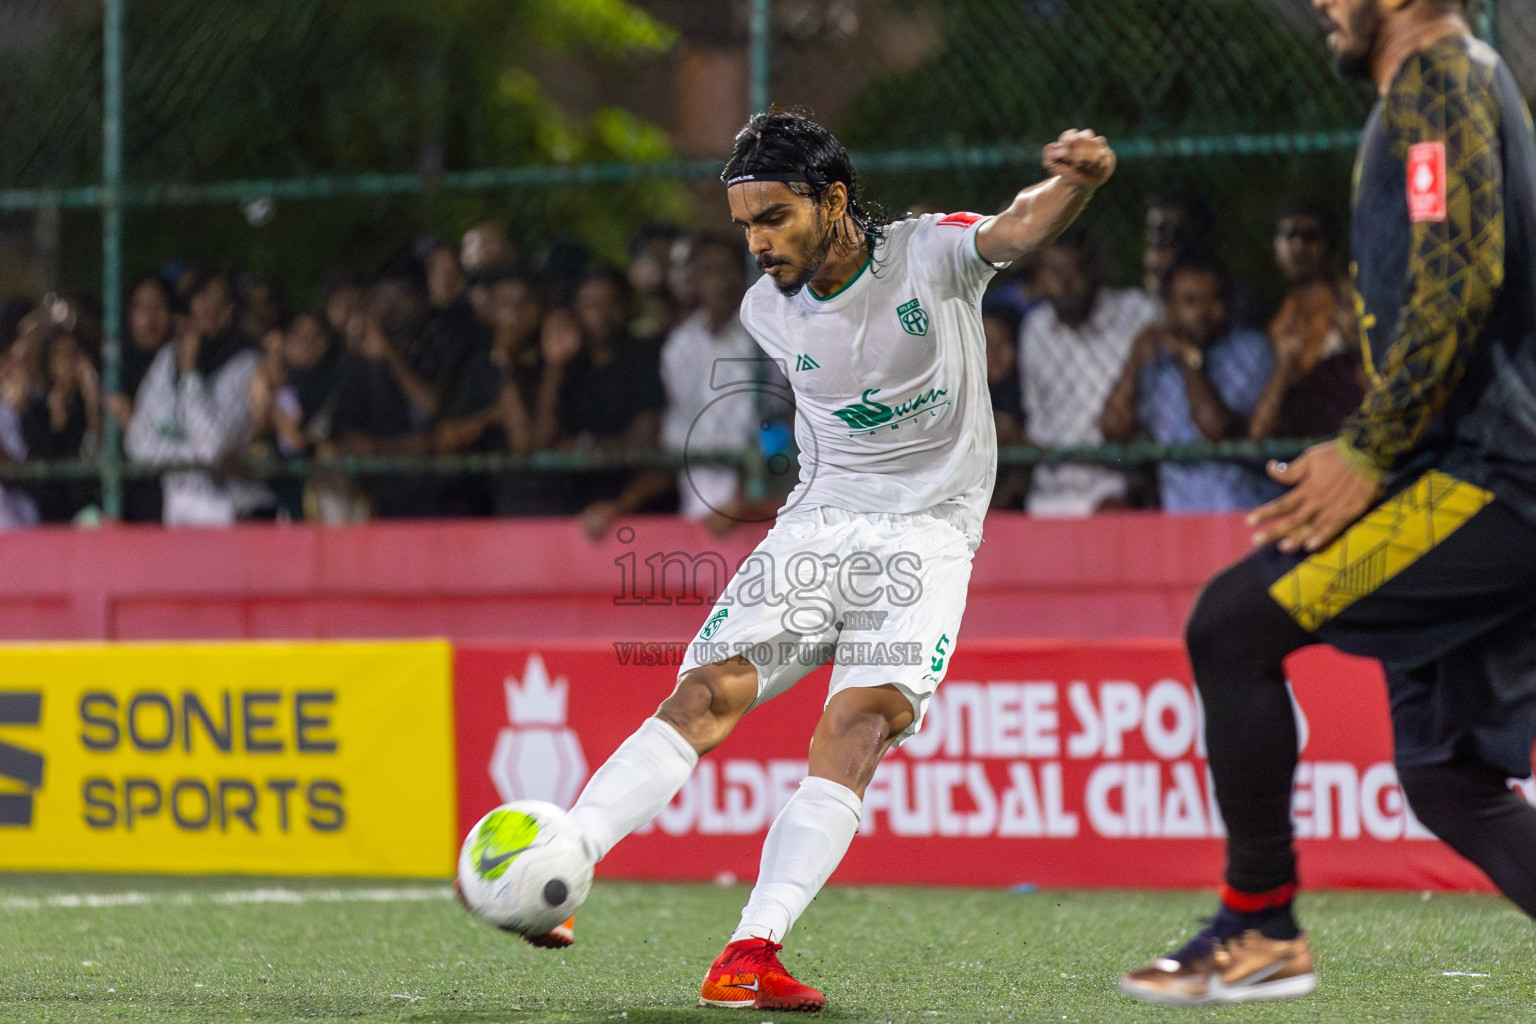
[(890, 377)]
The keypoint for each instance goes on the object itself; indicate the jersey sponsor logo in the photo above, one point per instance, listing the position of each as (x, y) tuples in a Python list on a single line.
[(805, 362), (1426, 182), (960, 220), (865, 415), (914, 319)]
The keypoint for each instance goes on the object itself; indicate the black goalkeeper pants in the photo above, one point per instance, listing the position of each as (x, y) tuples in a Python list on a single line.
[(1438, 582)]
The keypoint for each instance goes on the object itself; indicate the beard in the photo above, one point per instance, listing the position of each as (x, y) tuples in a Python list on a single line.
[(790, 286), (1363, 28), (1075, 310)]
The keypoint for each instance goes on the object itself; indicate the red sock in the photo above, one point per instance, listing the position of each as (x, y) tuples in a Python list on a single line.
[(1257, 902)]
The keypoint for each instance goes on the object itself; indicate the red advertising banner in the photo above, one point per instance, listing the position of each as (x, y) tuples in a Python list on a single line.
[(1075, 763)]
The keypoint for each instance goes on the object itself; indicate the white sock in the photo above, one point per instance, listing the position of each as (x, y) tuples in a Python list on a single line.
[(633, 785), (803, 848)]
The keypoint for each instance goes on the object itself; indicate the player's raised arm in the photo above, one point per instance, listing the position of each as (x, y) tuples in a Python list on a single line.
[(1079, 162)]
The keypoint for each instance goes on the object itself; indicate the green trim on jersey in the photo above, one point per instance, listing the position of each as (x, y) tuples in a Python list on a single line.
[(976, 246), (846, 284)]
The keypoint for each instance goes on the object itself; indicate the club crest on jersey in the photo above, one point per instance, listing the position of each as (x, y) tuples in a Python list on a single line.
[(914, 319), (868, 414), (715, 622)]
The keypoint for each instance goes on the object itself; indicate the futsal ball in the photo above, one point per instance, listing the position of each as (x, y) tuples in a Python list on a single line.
[(523, 867)]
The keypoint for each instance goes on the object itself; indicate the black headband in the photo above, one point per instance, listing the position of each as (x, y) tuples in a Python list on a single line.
[(787, 177)]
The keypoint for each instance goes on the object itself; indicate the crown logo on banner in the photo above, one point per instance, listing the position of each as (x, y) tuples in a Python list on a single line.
[(536, 701), (537, 755)]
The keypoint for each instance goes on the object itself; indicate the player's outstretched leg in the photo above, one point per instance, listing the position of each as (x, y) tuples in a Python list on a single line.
[(805, 843), (648, 769), (1470, 806), (1252, 949), (804, 846)]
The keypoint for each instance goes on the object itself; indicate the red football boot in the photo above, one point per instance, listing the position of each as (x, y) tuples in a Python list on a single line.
[(748, 974), (558, 937)]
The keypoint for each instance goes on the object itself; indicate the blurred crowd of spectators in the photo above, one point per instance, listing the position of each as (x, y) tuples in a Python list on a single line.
[(468, 348), (1190, 357)]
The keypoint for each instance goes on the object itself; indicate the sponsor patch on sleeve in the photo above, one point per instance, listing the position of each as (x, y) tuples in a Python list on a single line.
[(1426, 181), (961, 220)]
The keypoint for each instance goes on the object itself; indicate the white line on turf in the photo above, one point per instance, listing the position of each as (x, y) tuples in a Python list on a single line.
[(402, 894)]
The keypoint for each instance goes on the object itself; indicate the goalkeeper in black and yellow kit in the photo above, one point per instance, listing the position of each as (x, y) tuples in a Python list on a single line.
[(1411, 538)]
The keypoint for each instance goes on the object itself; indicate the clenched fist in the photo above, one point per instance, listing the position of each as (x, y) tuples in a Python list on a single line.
[(1080, 158)]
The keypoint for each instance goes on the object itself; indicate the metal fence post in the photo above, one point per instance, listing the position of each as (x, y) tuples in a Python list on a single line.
[(1488, 22), (112, 249), (760, 88), (761, 56)]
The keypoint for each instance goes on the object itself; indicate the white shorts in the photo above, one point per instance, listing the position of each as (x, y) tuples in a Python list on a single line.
[(880, 595)]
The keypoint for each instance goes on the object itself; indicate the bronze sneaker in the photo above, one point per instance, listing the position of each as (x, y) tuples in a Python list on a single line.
[(1241, 969)]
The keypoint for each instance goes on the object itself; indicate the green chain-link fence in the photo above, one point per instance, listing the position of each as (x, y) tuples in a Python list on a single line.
[(298, 134)]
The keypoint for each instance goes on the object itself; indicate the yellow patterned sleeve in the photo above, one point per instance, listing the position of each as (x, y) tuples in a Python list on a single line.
[(1442, 119)]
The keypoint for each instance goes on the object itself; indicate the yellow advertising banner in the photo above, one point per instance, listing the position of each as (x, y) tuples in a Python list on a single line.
[(282, 758)]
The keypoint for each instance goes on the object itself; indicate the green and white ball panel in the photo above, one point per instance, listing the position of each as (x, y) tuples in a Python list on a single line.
[(524, 868), (501, 837)]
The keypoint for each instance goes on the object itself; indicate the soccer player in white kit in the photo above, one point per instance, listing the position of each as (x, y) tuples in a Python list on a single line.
[(878, 328)]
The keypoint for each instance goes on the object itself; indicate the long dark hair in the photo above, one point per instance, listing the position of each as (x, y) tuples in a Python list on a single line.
[(787, 146)]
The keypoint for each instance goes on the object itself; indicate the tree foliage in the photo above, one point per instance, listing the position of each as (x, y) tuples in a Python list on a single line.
[(1021, 71), (284, 88)]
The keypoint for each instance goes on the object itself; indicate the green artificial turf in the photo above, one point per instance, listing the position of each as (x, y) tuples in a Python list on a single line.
[(193, 950)]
